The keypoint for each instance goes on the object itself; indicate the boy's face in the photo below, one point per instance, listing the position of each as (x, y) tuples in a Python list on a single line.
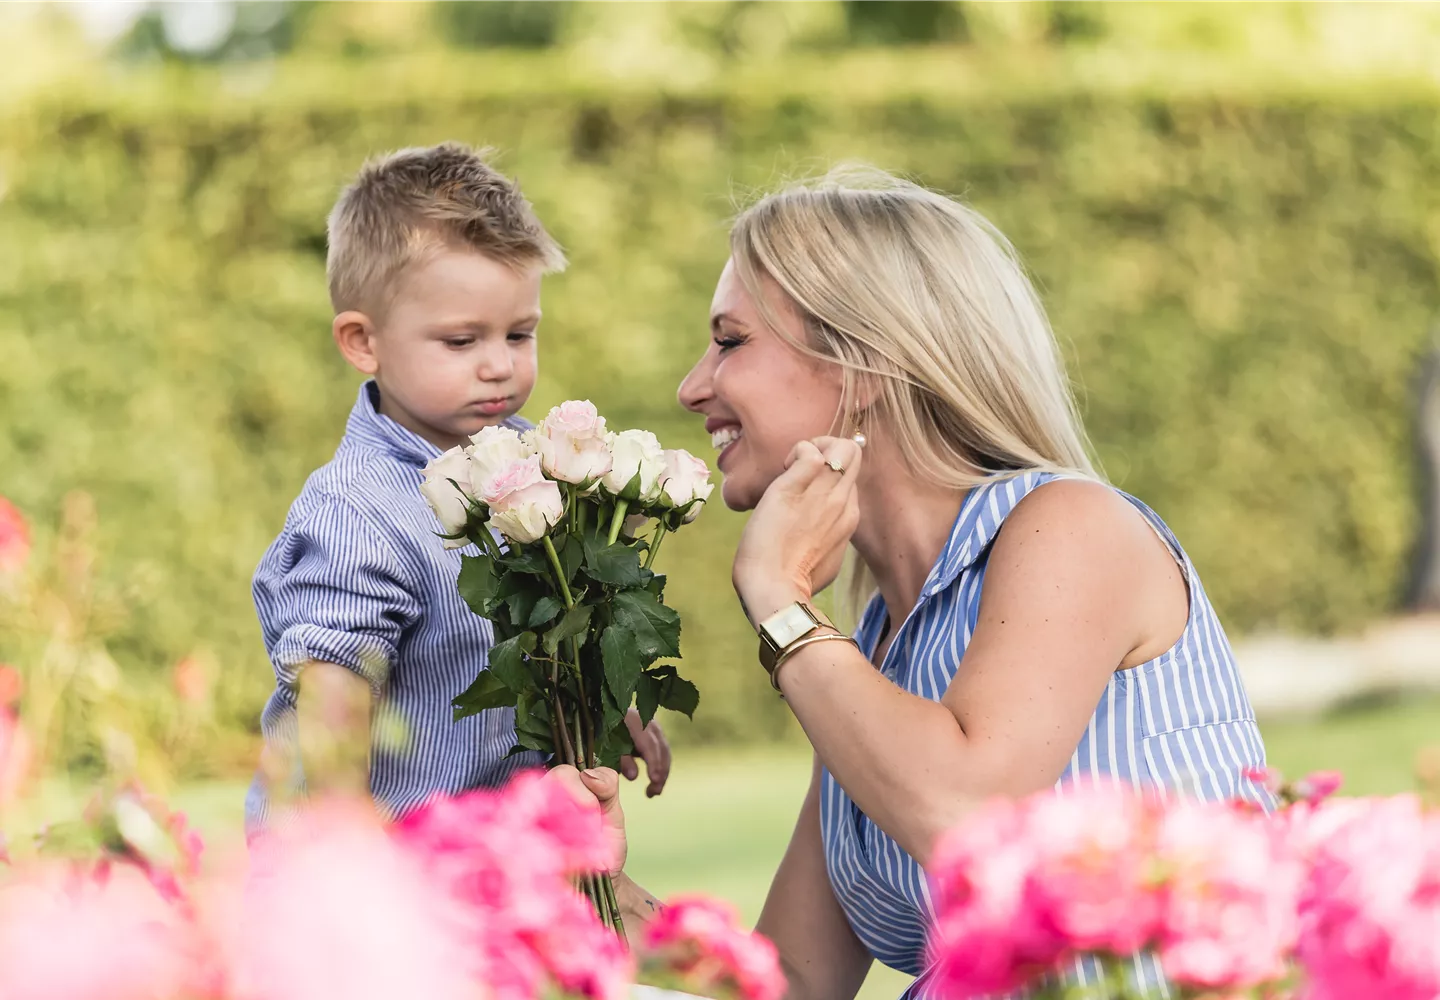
[(456, 350)]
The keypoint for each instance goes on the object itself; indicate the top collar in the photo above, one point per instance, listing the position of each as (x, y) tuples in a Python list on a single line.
[(368, 426)]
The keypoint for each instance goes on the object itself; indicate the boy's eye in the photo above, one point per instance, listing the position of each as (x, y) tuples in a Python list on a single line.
[(519, 336), (459, 342)]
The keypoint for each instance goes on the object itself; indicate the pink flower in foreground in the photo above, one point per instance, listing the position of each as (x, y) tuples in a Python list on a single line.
[(14, 538), (508, 858), (1231, 885), (988, 937), (1094, 880), (1370, 906), (335, 907), (66, 933), (702, 942)]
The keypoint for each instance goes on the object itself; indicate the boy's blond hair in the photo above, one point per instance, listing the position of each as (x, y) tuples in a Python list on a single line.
[(408, 204)]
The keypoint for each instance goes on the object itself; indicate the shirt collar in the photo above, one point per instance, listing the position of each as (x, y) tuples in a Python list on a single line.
[(368, 426), (976, 525)]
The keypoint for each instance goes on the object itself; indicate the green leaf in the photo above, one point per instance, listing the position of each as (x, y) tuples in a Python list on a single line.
[(571, 554), (647, 697), (621, 657), (526, 559), (507, 660), (478, 583), (679, 695), (618, 564), (546, 608), (575, 622), (532, 724), (656, 628), (521, 604), (613, 714), (656, 585), (487, 692)]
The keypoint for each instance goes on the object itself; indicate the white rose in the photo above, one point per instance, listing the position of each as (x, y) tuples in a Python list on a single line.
[(686, 480), (492, 451), (445, 499), (635, 453), (571, 442), (523, 504)]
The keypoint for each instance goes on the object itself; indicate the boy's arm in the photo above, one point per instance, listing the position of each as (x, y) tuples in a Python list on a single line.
[(333, 710), (334, 601)]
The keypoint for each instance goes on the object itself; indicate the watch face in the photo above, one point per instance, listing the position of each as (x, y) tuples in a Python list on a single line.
[(789, 624)]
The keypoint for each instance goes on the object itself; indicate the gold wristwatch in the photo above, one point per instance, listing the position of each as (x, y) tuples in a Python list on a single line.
[(793, 626)]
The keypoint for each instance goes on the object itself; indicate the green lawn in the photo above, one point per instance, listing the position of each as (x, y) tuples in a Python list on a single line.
[(722, 824)]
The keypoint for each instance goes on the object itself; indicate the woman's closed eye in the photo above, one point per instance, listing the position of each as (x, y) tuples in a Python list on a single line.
[(728, 343)]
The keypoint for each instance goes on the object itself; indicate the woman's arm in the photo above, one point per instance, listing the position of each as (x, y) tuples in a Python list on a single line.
[(1074, 586), (822, 957)]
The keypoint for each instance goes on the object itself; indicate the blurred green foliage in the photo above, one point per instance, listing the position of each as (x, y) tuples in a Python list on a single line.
[(1243, 275)]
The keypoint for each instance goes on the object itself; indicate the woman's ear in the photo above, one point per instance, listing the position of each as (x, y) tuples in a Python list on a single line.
[(355, 336)]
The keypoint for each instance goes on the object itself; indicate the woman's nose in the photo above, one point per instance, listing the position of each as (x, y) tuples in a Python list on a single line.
[(695, 387)]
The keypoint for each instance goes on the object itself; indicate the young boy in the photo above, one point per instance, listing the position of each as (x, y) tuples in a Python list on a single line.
[(434, 267)]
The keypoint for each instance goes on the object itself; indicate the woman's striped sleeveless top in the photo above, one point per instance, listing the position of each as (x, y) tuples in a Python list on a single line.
[(1180, 723)]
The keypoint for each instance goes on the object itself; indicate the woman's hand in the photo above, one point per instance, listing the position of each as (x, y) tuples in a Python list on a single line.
[(600, 785), (795, 541)]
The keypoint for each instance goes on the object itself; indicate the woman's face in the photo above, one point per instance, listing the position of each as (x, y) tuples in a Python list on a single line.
[(759, 395)]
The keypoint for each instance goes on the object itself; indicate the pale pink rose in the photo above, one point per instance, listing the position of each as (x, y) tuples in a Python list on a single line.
[(1231, 888), (686, 480), (572, 443), (635, 454), (523, 504), (492, 451), (14, 538), (441, 492), (701, 941)]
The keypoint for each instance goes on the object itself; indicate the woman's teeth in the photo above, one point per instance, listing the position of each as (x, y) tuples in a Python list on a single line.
[(724, 437)]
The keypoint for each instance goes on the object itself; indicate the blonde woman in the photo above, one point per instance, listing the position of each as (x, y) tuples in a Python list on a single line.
[(1030, 625)]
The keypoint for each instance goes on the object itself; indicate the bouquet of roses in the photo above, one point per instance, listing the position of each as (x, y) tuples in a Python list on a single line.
[(568, 518)]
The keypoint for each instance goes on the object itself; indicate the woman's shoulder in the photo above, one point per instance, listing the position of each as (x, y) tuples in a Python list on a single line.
[(1083, 522)]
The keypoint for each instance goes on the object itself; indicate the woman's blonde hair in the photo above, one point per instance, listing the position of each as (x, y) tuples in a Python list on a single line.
[(927, 310)]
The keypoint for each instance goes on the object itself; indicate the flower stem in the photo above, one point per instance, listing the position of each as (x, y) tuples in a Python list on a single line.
[(655, 541), (618, 521), (559, 572)]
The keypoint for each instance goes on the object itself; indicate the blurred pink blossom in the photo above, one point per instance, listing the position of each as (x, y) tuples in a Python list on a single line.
[(987, 937), (191, 681), (104, 934), (14, 538), (335, 907), (1370, 906), (17, 755), (702, 942), (1231, 886)]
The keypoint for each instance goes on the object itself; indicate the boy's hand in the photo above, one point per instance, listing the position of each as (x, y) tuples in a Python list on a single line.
[(652, 748)]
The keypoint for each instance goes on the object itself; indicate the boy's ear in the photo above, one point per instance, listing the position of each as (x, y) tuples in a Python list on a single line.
[(354, 334)]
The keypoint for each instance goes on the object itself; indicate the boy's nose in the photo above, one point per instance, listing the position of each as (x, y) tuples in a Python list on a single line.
[(495, 366)]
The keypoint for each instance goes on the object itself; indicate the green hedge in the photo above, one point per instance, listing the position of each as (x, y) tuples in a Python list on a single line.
[(1244, 279)]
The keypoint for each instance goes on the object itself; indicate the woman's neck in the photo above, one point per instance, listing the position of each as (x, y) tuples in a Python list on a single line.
[(905, 522)]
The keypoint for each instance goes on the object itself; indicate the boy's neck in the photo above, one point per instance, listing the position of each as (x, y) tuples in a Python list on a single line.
[(407, 420)]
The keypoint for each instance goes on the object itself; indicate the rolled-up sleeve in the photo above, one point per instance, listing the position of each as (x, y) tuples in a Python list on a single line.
[(333, 588)]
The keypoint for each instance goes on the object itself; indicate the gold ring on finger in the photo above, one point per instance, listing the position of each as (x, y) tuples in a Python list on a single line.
[(835, 464)]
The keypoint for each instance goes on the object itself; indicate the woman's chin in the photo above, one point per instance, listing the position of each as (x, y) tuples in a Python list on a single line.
[(737, 496)]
